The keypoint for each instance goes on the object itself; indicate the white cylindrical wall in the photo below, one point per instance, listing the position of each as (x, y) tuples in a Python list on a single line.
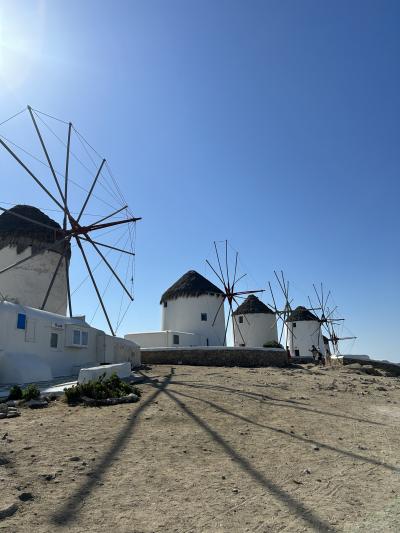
[(185, 314), (302, 335), (256, 329), (27, 283)]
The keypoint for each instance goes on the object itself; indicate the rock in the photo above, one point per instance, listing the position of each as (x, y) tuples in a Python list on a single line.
[(235, 491), (75, 458), (26, 496), (316, 448), (3, 415), (4, 461), (36, 404), (7, 510), (381, 388), (306, 471), (13, 414)]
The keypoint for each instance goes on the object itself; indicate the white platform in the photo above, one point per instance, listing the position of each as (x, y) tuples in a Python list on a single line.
[(123, 370)]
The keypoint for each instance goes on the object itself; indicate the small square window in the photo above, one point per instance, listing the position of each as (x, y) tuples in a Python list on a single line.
[(77, 336), (21, 321), (240, 320), (53, 340), (85, 337), (165, 304), (204, 317), (294, 324), (176, 339)]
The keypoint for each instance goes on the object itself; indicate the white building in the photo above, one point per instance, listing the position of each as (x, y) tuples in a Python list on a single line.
[(195, 305), (41, 346), (27, 283), (254, 324), (192, 314), (303, 330)]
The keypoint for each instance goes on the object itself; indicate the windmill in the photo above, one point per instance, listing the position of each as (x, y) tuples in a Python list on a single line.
[(230, 293), (328, 319), (283, 313), (70, 199)]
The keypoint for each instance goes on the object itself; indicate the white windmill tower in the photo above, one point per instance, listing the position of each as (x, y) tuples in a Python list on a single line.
[(25, 232), (303, 331), (194, 305), (254, 324)]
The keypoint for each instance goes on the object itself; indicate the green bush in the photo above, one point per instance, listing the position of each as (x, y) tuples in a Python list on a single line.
[(15, 393), (31, 392), (272, 344), (101, 389)]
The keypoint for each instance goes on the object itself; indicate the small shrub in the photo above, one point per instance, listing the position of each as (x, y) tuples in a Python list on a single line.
[(15, 393), (31, 392), (272, 344), (101, 389)]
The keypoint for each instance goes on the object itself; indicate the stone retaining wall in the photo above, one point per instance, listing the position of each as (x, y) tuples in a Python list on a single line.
[(246, 357)]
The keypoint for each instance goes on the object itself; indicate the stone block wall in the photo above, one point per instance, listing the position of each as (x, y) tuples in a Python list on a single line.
[(246, 357)]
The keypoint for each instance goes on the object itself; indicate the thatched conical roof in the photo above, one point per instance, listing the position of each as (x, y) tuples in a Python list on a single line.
[(190, 284), (252, 305), (301, 314), (16, 231)]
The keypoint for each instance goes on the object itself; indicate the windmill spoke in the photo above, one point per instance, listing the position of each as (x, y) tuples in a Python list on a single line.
[(219, 263), (107, 245), (47, 155), (217, 313), (110, 267), (109, 216), (54, 277), (234, 277), (66, 177), (68, 287), (14, 155), (95, 284), (227, 324), (90, 191), (215, 272)]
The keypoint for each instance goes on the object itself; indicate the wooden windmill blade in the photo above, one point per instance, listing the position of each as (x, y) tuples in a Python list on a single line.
[(72, 229), (229, 291)]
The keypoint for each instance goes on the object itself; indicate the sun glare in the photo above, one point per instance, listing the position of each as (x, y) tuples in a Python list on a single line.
[(21, 41)]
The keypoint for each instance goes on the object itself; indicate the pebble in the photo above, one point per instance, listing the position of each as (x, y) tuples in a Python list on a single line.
[(25, 496), (74, 458)]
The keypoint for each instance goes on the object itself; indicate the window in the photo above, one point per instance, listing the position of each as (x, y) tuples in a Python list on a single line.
[(21, 321), (176, 339), (297, 353), (165, 304), (204, 317), (211, 294), (77, 336), (85, 337), (294, 324), (53, 340), (240, 320)]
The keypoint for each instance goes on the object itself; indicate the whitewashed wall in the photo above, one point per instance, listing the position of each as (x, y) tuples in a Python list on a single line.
[(184, 314), (26, 355), (165, 339), (303, 336), (27, 284), (256, 329)]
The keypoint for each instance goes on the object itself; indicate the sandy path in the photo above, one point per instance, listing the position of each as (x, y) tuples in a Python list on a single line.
[(213, 449)]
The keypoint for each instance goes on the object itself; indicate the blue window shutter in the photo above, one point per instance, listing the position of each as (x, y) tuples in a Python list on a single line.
[(21, 321)]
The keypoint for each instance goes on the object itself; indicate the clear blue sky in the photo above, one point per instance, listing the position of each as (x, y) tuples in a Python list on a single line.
[(274, 124)]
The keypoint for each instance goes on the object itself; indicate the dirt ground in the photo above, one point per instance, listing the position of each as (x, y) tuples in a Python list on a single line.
[(213, 450)]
